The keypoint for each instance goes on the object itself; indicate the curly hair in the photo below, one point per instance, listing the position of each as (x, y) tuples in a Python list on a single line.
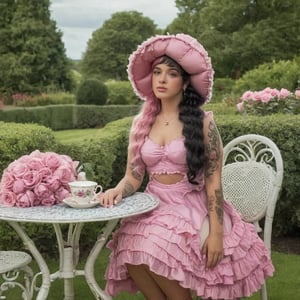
[(190, 114)]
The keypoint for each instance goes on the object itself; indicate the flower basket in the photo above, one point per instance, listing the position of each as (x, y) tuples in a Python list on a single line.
[(37, 179), (269, 101)]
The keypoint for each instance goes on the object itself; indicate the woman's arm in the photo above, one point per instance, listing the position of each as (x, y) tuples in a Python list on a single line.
[(213, 171), (127, 185)]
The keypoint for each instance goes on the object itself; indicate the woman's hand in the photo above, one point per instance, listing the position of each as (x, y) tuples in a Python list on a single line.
[(213, 248), (110, 197)]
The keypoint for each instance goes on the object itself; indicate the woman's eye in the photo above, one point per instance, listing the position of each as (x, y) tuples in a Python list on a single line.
[(173, 74)]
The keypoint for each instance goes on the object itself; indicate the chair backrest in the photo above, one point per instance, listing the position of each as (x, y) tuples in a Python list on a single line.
[(251, 178)]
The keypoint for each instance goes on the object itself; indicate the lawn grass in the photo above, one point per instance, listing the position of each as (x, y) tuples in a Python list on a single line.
[(284, 285), (73, 135)]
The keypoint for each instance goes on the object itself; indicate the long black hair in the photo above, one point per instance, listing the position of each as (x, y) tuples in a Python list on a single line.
[(191, 115)]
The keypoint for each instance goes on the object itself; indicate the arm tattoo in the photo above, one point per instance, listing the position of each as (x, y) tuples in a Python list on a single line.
[(128, 189), (215, 203), (212, 150), (136, 175), (219, 205)]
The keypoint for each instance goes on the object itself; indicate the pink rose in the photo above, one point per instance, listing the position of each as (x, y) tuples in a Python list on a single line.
[(64, 175), (36, 201), (284, 93), (18, 187), (19, 169), (45, 174), (31, 179), (36, 154), (71, 164), (53, 183), (23, 159), (26, 199), (265, 97), (35, 164), (61, 194), (51, 160), (247, 95), (297, 93), (48, 201), (273, 92), (7, 180), (256, 96), (42, 191), (8, 198)]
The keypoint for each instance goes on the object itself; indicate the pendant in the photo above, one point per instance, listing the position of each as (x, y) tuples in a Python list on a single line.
[(166, 123)]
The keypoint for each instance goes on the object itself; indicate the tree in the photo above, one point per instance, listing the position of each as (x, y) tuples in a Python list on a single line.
[(188, 17), (240, 35), (108, 49), (33, 58)]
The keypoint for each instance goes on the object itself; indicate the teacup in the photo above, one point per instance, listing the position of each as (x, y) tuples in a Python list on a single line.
[(84, 191)]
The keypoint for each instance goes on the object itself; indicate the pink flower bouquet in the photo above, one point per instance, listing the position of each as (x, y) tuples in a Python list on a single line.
[(37, 179), (269, 101)]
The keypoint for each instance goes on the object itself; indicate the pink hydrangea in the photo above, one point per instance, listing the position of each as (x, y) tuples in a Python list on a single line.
[(37, 179)]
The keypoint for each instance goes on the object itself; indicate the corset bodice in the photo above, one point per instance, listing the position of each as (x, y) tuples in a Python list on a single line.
[(167, 159)]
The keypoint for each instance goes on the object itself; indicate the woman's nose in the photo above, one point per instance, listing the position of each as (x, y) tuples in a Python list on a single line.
[(162, 78)]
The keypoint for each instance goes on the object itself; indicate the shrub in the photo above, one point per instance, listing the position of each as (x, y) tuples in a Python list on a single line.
[(281, 74), (46, 99), (121, 92), (92, 91), (19, 139), (222, 88)]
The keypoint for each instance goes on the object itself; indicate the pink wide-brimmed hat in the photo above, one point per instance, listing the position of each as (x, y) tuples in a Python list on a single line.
[(182, 48)]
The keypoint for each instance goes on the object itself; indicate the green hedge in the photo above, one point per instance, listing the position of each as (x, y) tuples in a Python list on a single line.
[(61, 117), (17, 140)]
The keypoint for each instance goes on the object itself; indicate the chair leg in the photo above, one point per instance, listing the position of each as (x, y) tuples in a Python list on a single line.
[(263, 292), (10, 281)]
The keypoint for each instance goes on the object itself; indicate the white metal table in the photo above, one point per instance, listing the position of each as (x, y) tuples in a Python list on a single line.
[(68, 248)]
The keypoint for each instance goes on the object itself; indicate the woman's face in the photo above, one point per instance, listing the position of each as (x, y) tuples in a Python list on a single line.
[(167, 82)]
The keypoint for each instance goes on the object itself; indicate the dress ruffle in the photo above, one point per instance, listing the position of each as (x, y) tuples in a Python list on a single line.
[(168, 242)]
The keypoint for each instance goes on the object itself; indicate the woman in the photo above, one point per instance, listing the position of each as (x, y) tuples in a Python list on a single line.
[(194, 242)]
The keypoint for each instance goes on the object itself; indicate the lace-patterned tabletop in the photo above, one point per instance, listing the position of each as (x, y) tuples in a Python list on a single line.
[(138, 203)]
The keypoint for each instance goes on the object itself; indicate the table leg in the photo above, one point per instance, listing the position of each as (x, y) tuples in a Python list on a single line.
[(90, 262), (68, 257), (45, 273)]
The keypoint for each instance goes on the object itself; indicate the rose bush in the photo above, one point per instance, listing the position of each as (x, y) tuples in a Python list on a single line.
[(269, 101), (37, 179)]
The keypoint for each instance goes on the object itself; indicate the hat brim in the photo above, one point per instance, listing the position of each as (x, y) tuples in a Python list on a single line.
[(182, 48)]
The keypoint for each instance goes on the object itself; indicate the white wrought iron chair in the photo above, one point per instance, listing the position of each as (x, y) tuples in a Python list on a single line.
[(252, 178), (12, 263)]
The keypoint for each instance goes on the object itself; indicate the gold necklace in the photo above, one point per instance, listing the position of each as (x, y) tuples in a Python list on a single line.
[(167, 122)]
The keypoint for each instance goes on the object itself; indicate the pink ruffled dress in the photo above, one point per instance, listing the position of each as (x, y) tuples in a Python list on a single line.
[(168, 238)]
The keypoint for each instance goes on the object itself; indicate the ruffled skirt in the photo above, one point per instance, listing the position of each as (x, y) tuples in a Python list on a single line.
[(168, 241)]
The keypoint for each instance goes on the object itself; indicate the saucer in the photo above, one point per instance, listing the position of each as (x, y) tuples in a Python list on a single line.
[(73, 203)]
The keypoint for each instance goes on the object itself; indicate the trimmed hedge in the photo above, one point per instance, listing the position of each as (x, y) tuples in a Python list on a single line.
[(17, 140), (61, 117)]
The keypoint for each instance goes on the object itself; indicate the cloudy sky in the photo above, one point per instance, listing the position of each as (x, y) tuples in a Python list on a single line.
[(78, 19)]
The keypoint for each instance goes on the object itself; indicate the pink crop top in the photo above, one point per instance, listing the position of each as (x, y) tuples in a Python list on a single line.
[(168, 159)]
